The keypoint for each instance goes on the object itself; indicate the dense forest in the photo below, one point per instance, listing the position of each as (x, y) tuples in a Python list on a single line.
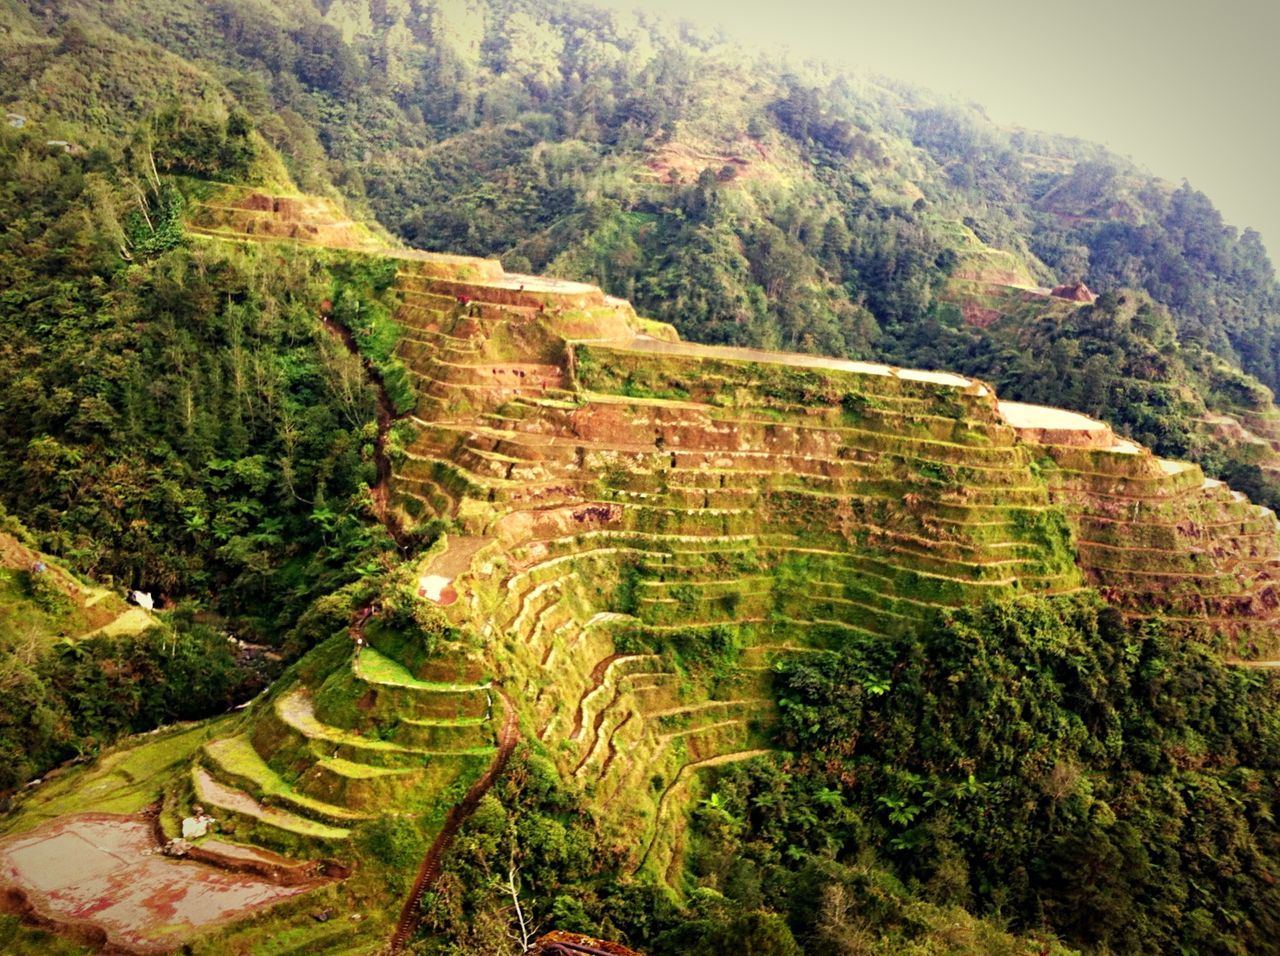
[(1067, 776), (742, 198), (175, 420), (1028, 774)]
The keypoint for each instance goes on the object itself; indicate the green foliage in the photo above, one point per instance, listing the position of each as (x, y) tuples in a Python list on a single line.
[(174, 417), (535, 133), (18, 939), (156, 227), (1121, 360), (529, 824), (181, 424), (81, 695), (45, 593), (203, 139), (396, 845), (177, 421), (326, 616), (1042, 759), (722, 930), (361, 305)]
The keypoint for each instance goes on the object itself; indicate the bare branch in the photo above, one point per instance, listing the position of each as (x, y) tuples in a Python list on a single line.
[(528, 929), (142, 202)]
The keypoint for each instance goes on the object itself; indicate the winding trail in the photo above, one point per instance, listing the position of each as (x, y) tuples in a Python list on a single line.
[(381, 491), (508, 736), (429, 872)]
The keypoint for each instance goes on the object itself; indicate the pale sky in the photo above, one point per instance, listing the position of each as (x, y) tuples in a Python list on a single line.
[(1187, 90)]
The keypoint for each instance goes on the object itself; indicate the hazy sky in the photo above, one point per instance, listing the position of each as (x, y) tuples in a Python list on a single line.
[(1188, 90)]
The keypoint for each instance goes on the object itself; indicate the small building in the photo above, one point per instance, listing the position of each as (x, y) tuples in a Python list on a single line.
[(16, 120)]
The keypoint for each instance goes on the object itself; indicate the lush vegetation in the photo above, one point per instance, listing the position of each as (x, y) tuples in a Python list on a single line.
[(68, 702), (1037, 761), (741, 198), (1029, 775), (1123, 360), (177, 418), (533, 841)]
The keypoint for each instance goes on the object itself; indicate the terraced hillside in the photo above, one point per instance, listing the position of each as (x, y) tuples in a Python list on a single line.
[(45, 601), (1155, 535), (638, 527), (615, 492)]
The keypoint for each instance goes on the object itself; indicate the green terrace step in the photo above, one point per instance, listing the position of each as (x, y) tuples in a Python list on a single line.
[(375, 668), (295, 715), (345, 781), (733, 731), (667, 547), (212, 793), (359, 771), (349, 698), (755, 437), (431, 498), (427, 298), (669, 716), (238, 762), (462, 733), (612, 684)]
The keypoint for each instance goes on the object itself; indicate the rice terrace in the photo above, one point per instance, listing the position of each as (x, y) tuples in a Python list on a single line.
[(788, 515)]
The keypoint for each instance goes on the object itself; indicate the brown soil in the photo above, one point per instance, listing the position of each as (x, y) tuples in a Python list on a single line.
[(687, 162), (978, 317), (1042, 425), (1079, 292), (560, 943), (612, 752), (100, 877), (594, 682), (456, 558), (17, 556)]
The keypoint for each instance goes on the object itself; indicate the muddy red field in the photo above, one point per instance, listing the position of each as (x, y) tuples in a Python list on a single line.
[(105, 871)]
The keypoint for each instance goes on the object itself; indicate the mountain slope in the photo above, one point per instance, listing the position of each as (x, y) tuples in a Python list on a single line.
[(743, 200), (466, 499), (641, 534)]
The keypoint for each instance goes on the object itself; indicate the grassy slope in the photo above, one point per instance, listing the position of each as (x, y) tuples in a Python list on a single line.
[(39, 609)]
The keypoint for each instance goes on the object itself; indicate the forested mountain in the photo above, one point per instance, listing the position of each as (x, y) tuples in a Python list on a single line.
[(211, 420), (743, 199)]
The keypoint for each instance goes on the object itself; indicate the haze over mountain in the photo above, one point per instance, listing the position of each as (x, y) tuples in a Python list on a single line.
[(579, 475), (1181, 88)]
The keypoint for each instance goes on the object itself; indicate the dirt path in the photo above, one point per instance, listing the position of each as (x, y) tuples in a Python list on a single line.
[(387, 417), (429, 872)]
